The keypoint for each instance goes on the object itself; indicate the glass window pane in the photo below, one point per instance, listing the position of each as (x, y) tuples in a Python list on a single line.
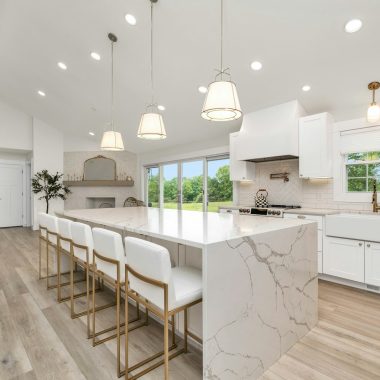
[(153, 187), (374, 170), (170, 178), (353, 157), (357, 184), (192, 185), (373, 156), (356, 171), (219, 186)]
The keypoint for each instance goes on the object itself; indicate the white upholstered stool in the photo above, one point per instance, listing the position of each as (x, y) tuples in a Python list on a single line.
[(51, 241), (163, 290)]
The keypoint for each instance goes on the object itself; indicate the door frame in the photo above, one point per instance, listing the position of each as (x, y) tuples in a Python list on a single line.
[(26, 188)]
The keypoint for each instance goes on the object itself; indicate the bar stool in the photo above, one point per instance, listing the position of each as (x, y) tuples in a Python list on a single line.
[(51, 241), (163, 290), (108, 263), (42, 237)]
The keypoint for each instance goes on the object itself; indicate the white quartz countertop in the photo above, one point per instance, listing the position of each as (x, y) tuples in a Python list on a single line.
[(192, 228), (311, 211)]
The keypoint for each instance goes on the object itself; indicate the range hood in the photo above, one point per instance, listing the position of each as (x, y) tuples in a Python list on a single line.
[(270, 134)]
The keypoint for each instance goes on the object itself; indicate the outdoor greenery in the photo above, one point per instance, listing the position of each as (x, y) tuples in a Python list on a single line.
[(362, 169), (50, 185), (219, 191)]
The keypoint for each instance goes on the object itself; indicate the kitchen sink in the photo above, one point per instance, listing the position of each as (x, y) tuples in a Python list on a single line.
[(354, 226)]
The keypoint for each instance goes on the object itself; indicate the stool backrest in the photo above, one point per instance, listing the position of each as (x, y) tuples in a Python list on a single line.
[(109, 244), (42, 223), (52, 227), (152, 261), (64, 228), (81, 234)]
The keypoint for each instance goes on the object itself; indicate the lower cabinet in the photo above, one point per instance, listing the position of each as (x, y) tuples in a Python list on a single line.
[(344, 258), (372, 263)]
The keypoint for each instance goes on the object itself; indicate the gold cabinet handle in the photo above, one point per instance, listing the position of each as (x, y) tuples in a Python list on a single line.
[(368, 245), (360, 244)]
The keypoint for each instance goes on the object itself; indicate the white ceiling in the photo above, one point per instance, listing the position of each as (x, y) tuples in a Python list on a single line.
[(298, 42)]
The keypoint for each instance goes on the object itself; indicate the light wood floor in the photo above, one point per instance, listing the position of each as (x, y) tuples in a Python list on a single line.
[(39, 340)]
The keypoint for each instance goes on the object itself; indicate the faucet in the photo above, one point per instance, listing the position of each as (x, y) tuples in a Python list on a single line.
[(375, 205)]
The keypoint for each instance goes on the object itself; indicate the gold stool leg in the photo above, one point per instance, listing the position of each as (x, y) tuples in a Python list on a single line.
[(93, 308), (173, 330), (185, 330), (39, 257), (118, 327), (126, 329), (58, 272)]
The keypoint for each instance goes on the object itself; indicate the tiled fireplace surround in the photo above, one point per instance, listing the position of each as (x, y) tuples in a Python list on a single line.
[(306, 193)]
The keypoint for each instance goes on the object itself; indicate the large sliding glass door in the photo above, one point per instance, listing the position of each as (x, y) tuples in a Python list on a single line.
[(199, 185), (192, 185)]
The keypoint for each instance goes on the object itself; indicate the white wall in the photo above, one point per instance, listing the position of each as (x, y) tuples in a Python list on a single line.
[(47, 154), (15, 128)]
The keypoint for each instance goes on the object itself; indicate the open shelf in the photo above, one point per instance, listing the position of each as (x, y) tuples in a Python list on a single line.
[(99, 183)]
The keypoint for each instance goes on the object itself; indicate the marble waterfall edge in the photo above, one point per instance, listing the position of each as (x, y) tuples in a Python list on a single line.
[(268, 286)]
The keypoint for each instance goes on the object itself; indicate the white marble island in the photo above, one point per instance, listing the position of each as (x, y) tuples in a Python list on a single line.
[(259, 279)]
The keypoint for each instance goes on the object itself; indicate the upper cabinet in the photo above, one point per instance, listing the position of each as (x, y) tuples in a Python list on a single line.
[(239, 170), (315, 146)]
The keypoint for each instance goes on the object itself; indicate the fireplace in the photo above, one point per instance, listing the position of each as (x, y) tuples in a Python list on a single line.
[(100, 202)]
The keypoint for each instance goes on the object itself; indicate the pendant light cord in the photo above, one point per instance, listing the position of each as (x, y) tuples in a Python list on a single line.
[(112, 87), (221, 38), (151, 52)]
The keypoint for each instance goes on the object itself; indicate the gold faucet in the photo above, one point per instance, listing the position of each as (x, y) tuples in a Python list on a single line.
[(375, 205)]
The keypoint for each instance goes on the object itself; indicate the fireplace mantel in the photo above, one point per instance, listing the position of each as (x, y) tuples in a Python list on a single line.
[(99, 183)]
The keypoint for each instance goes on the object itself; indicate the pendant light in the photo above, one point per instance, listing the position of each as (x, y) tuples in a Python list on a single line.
[(111, 139), (373, 113), (222, 101), (151, 124)]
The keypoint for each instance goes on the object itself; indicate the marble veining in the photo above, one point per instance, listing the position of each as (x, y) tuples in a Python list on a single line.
[(270, 297)]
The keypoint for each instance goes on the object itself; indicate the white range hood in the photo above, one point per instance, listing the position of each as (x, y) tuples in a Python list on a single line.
[(270, 134)]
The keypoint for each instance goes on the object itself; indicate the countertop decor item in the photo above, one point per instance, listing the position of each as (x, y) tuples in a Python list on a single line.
[(284, 176), (222, 101), (111, 139), (151, 124), (373, 113), (261, 198), (50, 185)]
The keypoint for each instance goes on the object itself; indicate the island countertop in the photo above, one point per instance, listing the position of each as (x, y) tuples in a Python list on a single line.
[(193, 228)]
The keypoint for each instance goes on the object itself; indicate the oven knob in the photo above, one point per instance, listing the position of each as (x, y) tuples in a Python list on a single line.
[(270, 212), (278, 212)]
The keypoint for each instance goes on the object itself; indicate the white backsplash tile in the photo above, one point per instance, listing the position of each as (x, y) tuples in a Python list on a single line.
[(306, 193)]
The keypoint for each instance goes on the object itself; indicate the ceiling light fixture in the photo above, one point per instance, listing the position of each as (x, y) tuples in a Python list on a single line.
[(202, 89), (373, 113), (256, 65), (353, 26), (151, 124), (222, 101), (91, 133), (306, 88), (111, 139), (130, 19), (41, 93), (62, 65), (95, 55)]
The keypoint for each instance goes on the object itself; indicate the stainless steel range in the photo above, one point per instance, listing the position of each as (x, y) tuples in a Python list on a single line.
[(276, 211)]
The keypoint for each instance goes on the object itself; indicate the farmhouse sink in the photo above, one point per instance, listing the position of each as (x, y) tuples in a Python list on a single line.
[(354, 226)]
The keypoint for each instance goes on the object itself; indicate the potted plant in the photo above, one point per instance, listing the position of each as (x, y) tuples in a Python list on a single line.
[(51, 186)]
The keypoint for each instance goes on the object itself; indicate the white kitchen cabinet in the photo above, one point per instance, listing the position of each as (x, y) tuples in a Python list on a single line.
[(315, 146), (319, 220), (239, 170), (372, 263), (344, 258)]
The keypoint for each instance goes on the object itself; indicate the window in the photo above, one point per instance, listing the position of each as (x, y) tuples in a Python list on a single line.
[(362, 169), (183, 184)]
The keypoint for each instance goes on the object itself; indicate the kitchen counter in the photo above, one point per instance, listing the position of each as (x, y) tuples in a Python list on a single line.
[(312, 211), (260, 281)]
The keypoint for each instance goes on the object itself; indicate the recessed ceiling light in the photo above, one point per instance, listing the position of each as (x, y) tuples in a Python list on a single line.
[(91, 133), (95, 55), (130, 19), (62, 65), (202, 89), (256, 65), (306, 88), (41, 93), (161, 108), (353, 26)]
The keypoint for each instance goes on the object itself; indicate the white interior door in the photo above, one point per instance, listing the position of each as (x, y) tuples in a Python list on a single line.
[(11, 202)]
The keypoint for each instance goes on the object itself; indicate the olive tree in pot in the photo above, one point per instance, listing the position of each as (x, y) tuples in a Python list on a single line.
[(51, 186)]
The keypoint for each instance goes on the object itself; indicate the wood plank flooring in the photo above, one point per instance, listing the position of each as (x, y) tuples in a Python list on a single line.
[(39, 340)]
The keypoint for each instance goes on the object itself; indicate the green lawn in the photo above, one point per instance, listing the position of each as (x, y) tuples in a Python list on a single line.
[(212, 206)]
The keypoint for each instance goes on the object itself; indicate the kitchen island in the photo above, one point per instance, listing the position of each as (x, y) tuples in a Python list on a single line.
[(260, 284)]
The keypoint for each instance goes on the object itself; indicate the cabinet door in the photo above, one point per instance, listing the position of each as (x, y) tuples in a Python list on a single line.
[(344, 258), (239, 170), (372, 263), (315, 146)]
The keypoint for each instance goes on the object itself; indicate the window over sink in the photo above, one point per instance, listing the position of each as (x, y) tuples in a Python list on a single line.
[(362, 168)]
